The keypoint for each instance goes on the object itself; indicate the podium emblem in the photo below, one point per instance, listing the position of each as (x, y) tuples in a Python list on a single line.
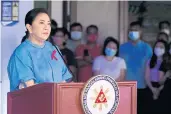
[(100, 95)]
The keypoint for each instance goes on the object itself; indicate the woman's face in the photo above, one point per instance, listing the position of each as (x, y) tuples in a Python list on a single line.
[(112, 45), (59, 38), (159, 49), (40, 28)]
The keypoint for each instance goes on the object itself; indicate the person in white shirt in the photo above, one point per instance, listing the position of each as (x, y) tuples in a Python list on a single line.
[(109, 63)]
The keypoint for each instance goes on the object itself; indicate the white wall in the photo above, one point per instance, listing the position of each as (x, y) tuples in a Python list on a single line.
[(57, 11), (102, 13), (10, 39)]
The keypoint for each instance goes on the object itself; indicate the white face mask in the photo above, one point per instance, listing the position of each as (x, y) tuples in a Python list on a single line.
[(76, 35), (134, 35), (159, 51), (167, 31)]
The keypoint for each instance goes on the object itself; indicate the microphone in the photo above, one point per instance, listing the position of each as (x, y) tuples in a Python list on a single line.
[(70, 79)]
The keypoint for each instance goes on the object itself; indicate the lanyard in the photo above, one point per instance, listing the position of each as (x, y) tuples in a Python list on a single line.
[(68, 80)]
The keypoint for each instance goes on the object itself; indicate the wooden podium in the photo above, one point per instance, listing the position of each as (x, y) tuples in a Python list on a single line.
[(64, 98)]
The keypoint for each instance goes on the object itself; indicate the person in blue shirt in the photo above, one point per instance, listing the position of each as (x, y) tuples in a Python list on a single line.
[(135, 52), (35, 60)]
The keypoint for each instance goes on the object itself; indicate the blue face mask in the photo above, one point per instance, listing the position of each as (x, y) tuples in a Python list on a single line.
[(76, 35), (134, 35), (110, 52)]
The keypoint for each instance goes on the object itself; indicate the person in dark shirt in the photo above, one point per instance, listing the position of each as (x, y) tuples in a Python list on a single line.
[(59, 40), (165, 68), (165, 75)]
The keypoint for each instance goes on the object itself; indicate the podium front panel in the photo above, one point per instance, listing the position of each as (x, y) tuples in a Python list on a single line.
[(69, 98), (37, 99), (64, 98), (128, 98)]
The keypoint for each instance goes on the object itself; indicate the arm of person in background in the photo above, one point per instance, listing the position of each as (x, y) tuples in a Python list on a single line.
[(81, 59), (122, 75), (96, 66), (149, 52), (147, 78), (72, 64), (164, 76), (122, 70), (163, 73), (81, 62), (73, 70), (121, 52)]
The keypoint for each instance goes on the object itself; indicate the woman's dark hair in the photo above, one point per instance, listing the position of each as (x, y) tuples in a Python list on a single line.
[(153, 60), (163, 33), (30, 17), (54, 26), (108, 40), (67, 32)]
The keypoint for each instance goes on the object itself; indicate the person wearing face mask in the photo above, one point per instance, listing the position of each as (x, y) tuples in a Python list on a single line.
[(76, 32), (136, 53), (85, 54), (165, 74), (36, 60), (153, 78), (109, 63), (164, 26), (59, 40)]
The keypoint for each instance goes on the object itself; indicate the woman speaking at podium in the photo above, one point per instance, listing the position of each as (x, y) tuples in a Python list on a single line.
[(35, 60)]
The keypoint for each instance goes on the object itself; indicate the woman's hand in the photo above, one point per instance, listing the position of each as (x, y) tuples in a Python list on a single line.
[(26, 84), (168, 74), (155, 92), (89, 59)]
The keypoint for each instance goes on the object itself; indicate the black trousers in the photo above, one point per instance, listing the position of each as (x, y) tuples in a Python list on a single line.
[(152, 106), (165, 98), (141, 94), (160, 106)]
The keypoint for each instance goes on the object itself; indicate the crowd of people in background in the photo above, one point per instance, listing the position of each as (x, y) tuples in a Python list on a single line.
[(134, 60)]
